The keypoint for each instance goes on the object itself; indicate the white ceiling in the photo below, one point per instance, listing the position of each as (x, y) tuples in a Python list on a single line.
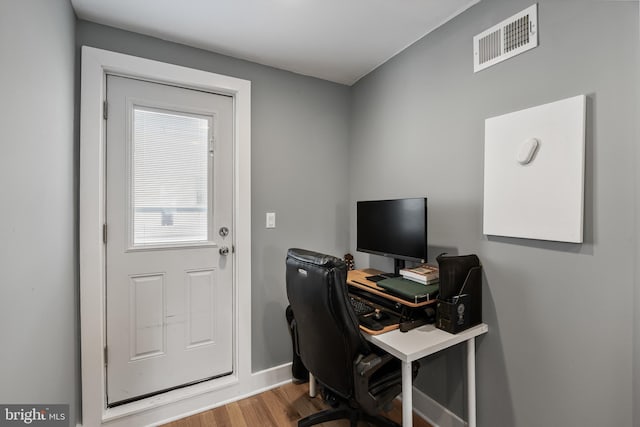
[(336, 40)]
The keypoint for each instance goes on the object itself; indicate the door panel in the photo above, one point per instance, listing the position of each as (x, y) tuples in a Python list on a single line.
[(146, 316), (201, 296), (169, 189)]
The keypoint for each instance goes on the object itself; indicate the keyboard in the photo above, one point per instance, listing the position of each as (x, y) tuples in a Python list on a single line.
[(376, 301), (361, 308)]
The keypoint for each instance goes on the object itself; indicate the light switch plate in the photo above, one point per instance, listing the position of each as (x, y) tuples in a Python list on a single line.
[(271, 220)]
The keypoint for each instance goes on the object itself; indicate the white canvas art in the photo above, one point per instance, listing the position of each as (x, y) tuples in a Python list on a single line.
[(534, 172)]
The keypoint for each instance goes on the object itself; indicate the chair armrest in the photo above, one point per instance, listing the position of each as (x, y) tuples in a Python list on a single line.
[(368, 365), (373, 393)]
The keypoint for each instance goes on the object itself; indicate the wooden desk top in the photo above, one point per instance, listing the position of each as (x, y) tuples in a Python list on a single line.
[(357, 278)]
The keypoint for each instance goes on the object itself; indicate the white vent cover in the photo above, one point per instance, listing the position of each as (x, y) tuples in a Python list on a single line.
[(509, 38)]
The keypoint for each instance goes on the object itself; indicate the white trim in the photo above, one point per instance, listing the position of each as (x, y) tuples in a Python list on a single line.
[(436, 414), (255, 384), (95, 64)]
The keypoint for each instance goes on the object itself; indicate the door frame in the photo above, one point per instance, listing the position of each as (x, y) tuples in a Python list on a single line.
[(96, 64)]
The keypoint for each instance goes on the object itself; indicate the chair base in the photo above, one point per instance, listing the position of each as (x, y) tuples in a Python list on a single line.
[(345, 412)]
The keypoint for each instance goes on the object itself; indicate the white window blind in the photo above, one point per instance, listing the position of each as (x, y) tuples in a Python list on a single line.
[(170, 191)]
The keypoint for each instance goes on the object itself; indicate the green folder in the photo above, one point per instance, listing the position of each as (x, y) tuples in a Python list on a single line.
[(409, 290)]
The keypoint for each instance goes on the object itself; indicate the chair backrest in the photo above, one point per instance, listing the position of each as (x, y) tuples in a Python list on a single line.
[(328, 336)]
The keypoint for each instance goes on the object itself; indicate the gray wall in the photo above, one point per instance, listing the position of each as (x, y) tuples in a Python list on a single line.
[(299, 169), (420, 116), (560, 346), (636, 318), (38, 256)]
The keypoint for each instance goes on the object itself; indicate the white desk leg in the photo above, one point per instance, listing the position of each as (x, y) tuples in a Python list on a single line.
[(471, 380), (407, 395), (312, 385)]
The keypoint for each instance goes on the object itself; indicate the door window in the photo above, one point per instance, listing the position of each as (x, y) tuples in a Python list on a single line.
[(170, 192)]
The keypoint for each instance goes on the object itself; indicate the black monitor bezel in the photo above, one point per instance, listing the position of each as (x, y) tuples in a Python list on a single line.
[(395, 256)]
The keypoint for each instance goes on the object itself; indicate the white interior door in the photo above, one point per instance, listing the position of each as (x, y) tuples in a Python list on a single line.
[(169, 210)]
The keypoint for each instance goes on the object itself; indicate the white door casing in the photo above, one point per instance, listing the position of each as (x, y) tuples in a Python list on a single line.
[(169, 188), (96, 64)]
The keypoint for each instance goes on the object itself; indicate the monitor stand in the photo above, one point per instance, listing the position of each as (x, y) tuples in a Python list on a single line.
[(398, 264)]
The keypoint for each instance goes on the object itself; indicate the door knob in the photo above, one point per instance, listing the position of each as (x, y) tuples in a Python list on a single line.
[(224, 251)]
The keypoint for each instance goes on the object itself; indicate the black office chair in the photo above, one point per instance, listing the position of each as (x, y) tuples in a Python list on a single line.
[(359, 380)]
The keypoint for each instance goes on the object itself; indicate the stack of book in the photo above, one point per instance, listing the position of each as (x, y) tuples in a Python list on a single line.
[(423, 273)]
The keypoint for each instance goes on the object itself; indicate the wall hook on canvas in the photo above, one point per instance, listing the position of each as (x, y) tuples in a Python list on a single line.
[(527, 151)]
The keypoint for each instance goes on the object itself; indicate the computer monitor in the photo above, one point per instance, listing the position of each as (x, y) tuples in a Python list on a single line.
[(393, 228)]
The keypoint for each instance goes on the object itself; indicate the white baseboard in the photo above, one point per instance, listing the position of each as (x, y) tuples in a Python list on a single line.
[(207, 399), (260, 381), (423, 405), (432, 411)]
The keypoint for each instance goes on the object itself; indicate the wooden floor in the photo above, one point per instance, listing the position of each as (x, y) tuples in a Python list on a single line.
[(279, 407)]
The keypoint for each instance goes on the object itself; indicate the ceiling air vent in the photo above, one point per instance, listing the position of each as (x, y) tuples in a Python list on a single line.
[(509, 38)]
